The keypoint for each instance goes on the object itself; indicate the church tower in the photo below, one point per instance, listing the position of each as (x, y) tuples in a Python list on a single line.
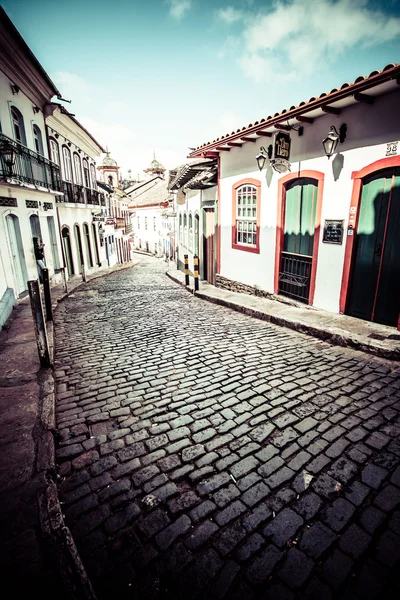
[(154, 169), (109, 170)]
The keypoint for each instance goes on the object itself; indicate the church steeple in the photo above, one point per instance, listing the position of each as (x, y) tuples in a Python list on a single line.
[(155, 168)]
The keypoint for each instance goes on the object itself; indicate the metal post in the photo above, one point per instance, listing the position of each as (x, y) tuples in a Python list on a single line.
[(186, 259), (196, 272), (47, 295), (40, 326), (83, 272)]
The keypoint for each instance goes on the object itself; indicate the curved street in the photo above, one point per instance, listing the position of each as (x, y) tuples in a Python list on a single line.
[(205, 454)]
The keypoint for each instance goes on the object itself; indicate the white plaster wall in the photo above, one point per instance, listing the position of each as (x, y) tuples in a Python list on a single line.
[(149, 235), (71, 216), (192, 205), (24, 105), (370, 128)]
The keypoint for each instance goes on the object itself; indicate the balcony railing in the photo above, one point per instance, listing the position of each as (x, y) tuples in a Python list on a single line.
[(92, 196), (128, 228), (29, 166), (79, 194)]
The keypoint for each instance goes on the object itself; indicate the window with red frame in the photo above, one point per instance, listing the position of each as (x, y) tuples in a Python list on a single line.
[(246, 215)]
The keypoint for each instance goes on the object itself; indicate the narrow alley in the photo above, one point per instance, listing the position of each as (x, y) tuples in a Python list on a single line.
[(206, 454)]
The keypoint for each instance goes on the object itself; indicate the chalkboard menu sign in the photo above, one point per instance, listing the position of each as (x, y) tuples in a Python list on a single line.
[(333, 232)]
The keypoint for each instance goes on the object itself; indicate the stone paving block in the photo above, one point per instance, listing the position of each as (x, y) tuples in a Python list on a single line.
[(388, 498), (373, 475), (281, 476), (154, 522), (256, 517), (343, 470), (228, 538), (185, 500), (224, 580), (338, 514), (388, 549), (244, 466), (283, 527), (336, 568), (207, 486), (200, 535), (308, 505), (202, 510), (317, 539), (262, 566), (225, 495), (296, 568), (354, 541)]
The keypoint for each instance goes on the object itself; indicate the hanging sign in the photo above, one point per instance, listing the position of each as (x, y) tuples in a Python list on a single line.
[(280, 161)]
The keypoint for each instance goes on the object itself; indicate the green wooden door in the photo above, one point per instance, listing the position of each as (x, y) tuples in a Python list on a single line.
[(298, 241), (375, 280)]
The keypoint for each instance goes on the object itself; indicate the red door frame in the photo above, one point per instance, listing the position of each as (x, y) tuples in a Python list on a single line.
[(280, 226), (357, 177)]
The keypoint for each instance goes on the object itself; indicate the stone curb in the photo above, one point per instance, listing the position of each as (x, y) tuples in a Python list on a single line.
[(59, 543), (322, 334)]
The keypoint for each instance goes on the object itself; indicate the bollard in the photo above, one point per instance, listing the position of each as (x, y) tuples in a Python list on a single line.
[(38, 320), (47, 295), (64, 271), (83, 273), (196, 272), (186, 258)]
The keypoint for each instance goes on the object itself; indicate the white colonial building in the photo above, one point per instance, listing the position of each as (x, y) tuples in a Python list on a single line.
[(308, 202), (30, 183), (74, 149), (117, 226)]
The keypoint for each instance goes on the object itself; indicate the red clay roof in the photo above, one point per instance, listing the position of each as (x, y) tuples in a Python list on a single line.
[(362, 83)]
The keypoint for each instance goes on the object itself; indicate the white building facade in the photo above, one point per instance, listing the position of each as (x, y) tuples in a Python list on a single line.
[(74, 149), (30, 183), (327, 232)]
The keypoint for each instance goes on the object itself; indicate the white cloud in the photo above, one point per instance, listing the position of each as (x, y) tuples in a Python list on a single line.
[(71, 85), (178, 8), (229, 14), (297, 38)]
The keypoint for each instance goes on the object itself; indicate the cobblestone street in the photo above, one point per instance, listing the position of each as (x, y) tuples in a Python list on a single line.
[(204, 454)]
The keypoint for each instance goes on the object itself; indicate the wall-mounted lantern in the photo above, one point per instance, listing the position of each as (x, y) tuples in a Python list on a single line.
[(8, 156), (14, 88), (333, 138), (263, 155)]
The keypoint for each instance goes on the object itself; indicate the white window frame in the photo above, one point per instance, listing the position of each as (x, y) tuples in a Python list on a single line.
[(246, 215)]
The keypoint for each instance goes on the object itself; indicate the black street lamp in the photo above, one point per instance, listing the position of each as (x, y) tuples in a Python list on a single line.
[(333, 138), (8, 156)]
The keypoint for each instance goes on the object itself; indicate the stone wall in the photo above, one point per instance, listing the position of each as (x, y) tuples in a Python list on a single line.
[(242, 288)]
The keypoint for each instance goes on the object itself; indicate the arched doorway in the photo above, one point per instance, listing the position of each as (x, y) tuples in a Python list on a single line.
[(299, 214), (87, 245), (17, 254), (68, 250), (373, 252), (78, 245)]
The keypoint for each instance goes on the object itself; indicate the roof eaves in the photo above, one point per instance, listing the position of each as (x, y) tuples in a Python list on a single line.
[(391, 71)]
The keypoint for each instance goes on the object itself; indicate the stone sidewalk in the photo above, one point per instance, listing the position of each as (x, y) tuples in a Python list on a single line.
[(208, 455), (341, 330), (27, 452)]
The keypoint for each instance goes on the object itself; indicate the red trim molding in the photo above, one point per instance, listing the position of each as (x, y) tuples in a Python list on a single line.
[(254, 249), (357, 177), (218, 236), (280, 225)]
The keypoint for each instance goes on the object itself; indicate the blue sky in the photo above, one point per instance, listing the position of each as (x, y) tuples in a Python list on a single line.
[(166, 75)]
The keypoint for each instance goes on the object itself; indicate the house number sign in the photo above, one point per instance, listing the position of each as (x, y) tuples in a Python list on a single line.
[(333, 231)]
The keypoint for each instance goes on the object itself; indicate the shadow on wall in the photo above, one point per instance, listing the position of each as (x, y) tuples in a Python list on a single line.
[(374, 286)]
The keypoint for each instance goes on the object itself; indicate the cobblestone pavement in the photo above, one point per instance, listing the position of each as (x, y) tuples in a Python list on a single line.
[(205, 454)]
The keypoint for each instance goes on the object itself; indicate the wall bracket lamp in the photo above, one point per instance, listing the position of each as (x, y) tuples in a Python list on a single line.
[(263, 155), (333, 138), (15, 88)]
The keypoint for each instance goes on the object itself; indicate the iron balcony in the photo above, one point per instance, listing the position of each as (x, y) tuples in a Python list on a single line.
[(28, 166)]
